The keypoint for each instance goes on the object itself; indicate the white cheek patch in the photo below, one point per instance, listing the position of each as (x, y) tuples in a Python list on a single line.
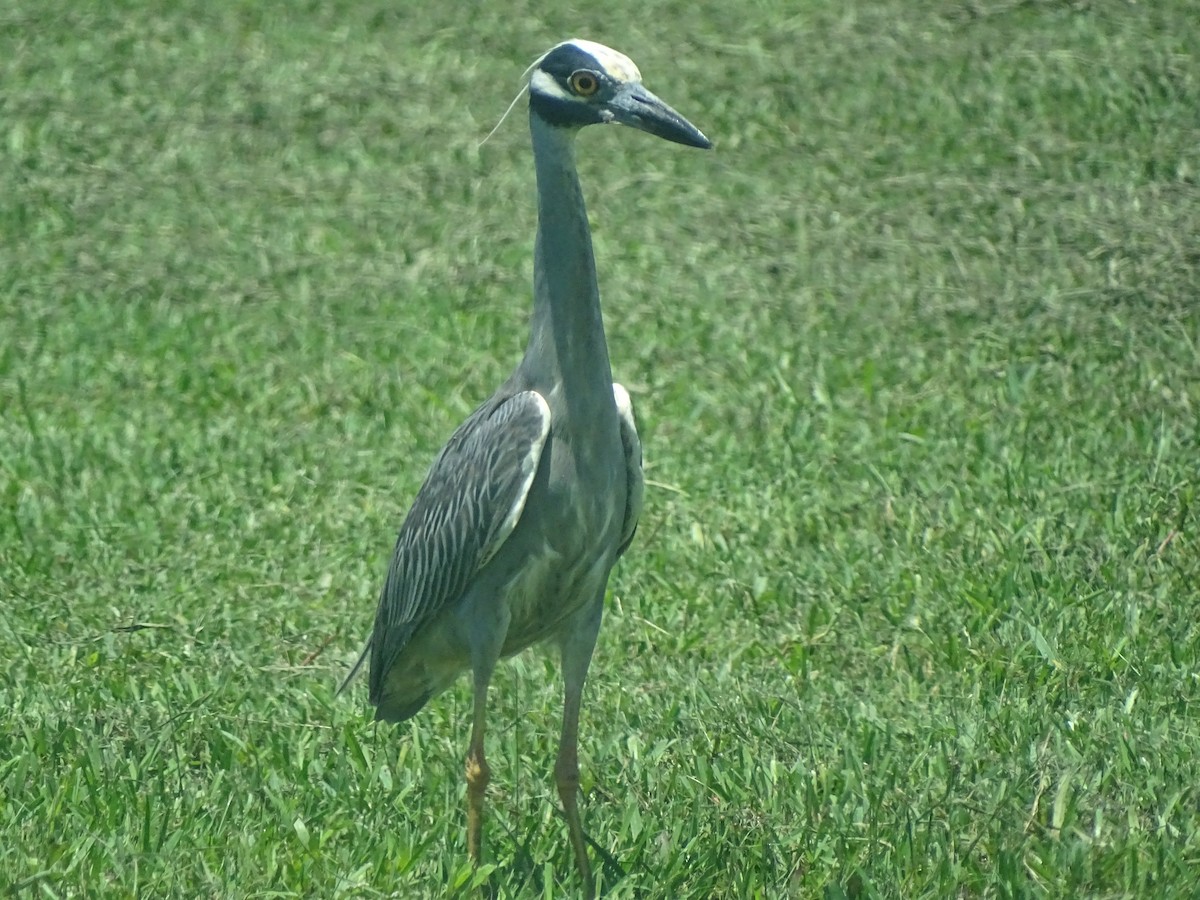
[(542, 83)]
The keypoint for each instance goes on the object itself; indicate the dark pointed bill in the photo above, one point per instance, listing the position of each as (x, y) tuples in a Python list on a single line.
[(636, 107)]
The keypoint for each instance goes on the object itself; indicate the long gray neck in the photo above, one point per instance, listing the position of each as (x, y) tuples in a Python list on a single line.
[(566, 343)]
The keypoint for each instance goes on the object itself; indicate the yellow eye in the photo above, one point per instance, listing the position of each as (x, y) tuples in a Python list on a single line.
[(584, 83)]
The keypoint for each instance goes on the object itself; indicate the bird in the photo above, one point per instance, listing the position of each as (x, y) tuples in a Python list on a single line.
[(524, 512)]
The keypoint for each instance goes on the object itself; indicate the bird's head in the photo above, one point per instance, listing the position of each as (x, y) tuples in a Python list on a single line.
[(580, 82)]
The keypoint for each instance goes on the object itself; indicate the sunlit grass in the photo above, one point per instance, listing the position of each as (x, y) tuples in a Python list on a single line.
[(912, 608)]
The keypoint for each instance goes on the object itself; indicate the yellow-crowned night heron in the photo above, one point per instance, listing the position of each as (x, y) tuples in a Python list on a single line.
[(512, 536)]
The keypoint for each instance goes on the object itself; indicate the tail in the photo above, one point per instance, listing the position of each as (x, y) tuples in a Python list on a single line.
[(362, 658)]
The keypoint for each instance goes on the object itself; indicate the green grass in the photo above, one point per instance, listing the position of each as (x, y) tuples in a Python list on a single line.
[(912, 612)]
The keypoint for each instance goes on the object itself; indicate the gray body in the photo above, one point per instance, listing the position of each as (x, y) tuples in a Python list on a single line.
[(512, 536), (556, 418)]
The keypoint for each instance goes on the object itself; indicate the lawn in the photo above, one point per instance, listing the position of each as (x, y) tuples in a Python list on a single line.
[(914, 607)]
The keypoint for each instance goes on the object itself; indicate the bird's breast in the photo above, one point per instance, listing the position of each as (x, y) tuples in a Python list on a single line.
[(569, 537)]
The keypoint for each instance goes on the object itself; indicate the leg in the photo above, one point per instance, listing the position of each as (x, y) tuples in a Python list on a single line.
[(478, 773), (577, 649), (485, 635)]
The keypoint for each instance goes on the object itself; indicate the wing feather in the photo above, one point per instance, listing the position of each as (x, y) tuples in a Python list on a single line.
[(470, 503), (636, 483)]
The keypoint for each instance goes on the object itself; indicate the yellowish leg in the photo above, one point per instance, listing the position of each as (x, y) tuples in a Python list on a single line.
[(478, 776), (577, 649), (566, 776)]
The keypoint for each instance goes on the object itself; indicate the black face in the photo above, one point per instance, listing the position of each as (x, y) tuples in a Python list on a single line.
[(578, 74), (567, 58)]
